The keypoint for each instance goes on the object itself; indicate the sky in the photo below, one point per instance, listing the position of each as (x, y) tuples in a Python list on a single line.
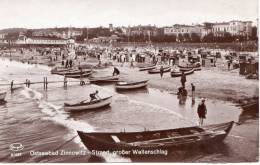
[(93, 13)]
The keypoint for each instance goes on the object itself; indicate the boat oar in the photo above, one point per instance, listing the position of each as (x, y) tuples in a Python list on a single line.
[(65, 143)]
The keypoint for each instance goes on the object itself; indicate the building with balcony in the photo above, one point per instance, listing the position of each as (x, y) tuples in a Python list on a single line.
[(177, 29), (239, 28), (235, 28)]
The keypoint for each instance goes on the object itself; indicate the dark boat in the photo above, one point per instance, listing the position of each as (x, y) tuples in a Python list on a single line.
[(189, 68), (178, 74), (2, 96), (157, 70), (172, 139), (88, 105), (144, 68), (69, 71), (104, 79), (131, 85)]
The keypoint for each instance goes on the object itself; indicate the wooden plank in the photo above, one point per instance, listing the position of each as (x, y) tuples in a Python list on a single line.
[(115, 138)]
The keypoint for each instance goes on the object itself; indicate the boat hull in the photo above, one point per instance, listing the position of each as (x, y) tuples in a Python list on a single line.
[(2, 96), (86, 74), (104, 79), (96, 104), (178, 74), (95, 141), (147, 68), (188, 69), (132, 86), (156, 71)]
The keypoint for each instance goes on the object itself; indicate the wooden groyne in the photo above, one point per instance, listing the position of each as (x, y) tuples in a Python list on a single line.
[(45, 83)]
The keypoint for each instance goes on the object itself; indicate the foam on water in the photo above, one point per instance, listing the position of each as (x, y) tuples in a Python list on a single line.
[(55, 112), (115, 158), (25, 93)]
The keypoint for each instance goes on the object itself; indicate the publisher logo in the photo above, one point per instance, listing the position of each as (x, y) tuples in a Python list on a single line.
[(16, 147)]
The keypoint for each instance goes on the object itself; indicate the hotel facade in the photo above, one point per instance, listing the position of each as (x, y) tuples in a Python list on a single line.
[(235, 28)]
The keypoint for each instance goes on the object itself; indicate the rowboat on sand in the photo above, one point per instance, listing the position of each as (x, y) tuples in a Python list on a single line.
[(76, 71), (104, 79), (157, 70), (144, 68), (131, 85), (69, 71), (58, 70), (194, 65), (89, 105), (2, 96), (187, 69), (178, 74), (78, 75), (171, 139)]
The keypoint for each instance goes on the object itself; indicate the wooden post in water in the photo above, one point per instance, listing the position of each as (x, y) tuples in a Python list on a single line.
[(12, 84), (29, 83), (65, 82), (46, 83)]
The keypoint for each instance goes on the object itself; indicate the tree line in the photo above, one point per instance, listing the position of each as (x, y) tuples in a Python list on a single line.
[(90, 33)]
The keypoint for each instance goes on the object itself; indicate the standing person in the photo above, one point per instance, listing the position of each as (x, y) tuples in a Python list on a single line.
[(161, 71), (132, 63), (229, 63), (183, 79), (65, 81), (81, 78), (67, 63), (202, 111), (70, 63), (193, 91)]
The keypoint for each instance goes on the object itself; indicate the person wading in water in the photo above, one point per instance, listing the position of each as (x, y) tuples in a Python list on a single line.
[(202, 111), (193, 91), (161, 71), (183, 79)]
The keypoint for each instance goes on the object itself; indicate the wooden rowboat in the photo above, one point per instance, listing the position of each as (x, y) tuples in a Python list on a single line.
[(178, 74), (157, 70), (88, 105), (190, 66), (131, 85), (171, 139), (73, 72), (147, 68), (104, 79), (188, 69), (58, 70), (2, 96), (78, 75)]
